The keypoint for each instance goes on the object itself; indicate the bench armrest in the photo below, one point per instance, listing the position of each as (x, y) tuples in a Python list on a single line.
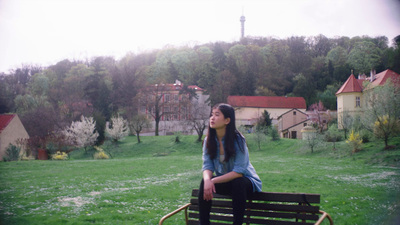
[(185, 207), (324, 215)]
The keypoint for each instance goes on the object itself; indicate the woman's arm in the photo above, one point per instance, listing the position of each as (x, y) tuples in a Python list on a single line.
[(226, 177)]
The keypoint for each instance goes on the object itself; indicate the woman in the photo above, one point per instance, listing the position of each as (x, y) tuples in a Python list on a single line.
[(225, 153)]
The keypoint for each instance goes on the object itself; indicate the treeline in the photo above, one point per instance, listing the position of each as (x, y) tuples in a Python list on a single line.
[(49, 98)]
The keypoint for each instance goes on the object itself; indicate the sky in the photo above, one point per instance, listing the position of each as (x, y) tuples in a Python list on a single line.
[(44, 32)]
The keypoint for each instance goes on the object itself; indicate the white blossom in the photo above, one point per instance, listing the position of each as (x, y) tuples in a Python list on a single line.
[(118, 128), (82, 133)]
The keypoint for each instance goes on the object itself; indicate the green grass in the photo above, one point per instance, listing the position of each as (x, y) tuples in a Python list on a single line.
[(145, 181)]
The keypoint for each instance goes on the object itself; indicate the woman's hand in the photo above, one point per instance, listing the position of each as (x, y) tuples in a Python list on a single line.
[(209, 189)]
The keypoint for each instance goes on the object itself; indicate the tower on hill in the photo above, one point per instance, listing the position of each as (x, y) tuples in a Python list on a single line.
[(242, 20)]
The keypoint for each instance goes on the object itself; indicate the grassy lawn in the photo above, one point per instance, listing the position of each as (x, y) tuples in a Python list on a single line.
[(145, 181)]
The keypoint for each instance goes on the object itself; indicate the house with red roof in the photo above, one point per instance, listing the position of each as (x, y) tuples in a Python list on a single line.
[(11, 129), (350, 95), (249, 109)]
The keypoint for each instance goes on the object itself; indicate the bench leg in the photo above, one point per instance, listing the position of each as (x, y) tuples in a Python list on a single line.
[(324, 215), (185, 207)]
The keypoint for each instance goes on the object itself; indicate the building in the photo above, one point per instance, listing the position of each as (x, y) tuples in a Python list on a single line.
[(291, 123), (249, 109), (171, 104), (11, 130), (350, 95)]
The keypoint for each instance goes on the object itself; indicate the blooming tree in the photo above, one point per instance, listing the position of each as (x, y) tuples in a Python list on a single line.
[(118, 128), (82, 133)]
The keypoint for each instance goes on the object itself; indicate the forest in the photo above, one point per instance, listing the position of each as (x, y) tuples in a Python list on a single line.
[(49, 98)]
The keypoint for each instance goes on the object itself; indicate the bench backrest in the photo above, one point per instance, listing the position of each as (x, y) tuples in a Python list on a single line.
[(264, 208)]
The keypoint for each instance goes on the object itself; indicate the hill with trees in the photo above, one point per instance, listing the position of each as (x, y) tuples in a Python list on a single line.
[(50, 98)]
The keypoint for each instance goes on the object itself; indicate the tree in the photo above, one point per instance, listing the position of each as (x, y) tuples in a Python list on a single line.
[(259, 136), (198, 119), (264, 122), (312, 141), (82, 134), (319, 115), (137, 123), (364, 57), (117, 129), (152, 98), (382, 110)]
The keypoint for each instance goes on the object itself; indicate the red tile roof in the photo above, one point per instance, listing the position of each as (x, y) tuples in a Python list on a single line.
[(351, 85), (267, 102), (5, 120), (380, 78), (356, 85)]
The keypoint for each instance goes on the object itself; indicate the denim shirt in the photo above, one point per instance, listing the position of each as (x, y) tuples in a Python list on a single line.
[(240, 163)]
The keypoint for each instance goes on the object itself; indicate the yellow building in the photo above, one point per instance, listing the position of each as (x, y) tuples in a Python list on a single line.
[(248, 109), (350, 95)]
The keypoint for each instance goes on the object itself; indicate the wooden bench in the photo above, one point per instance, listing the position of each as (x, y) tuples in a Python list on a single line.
[(264, 208)]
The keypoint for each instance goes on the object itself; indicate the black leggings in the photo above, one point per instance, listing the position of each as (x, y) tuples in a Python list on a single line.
[(240, 189)]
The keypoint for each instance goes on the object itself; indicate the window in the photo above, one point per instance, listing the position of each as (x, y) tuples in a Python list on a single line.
[(358, 102), (304, 124), (294, 113), (166, 98)]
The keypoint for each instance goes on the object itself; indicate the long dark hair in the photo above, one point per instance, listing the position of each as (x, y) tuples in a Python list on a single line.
[(231, 134)]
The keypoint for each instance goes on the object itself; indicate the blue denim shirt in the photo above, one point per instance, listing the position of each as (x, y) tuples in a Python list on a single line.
[(240, 163)]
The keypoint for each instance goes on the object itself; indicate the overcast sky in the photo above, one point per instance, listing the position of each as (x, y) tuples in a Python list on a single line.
[(47, 31)]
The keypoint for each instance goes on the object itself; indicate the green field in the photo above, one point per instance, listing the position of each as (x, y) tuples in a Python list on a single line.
[(145, 181)]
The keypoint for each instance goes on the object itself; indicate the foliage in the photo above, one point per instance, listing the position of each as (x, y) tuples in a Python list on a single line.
[(100, 154), (385, 125), (274, 133), (354, 141), (12, 153), (312, 141), (59, 156), (264, 122), (382, 110), (259, 136), (333, 134), (117, 129), (82, 133), (310, 67)]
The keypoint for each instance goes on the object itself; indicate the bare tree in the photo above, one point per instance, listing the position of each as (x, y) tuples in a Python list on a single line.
[(152, 98), (137, 123), (198, 118)]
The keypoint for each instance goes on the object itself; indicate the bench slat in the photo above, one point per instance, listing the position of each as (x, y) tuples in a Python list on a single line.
[(265, 206), (278, 197)]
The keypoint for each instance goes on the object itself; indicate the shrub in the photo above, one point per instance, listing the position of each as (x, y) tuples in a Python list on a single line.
[(333, 134), (100, 154), (59, 156), (365, 135), (274, 133), (12, 153), (354, 141)]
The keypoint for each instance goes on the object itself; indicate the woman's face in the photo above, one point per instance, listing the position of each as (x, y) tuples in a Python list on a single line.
[(217, 120)]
